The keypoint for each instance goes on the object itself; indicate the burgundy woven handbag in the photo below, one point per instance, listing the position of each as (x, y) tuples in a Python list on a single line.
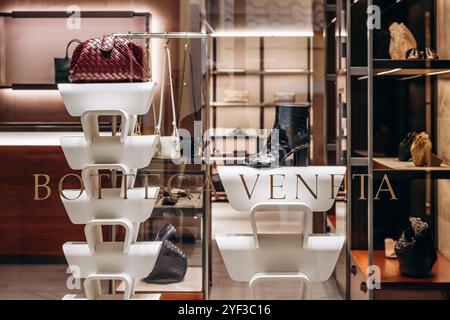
[(108, 59)]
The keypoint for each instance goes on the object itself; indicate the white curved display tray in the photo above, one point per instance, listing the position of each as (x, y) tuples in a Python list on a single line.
[(246, 186), (136, 152), (109, 257), (112, 204), (243, 259), (135, 97)]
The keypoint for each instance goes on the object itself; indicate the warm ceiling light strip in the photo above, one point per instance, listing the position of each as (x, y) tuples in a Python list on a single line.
[(269, 33), (389, 71), (438, 73)]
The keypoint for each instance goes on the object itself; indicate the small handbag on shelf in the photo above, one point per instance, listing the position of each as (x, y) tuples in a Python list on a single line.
[(416, 250), (171, 264), (169, 147), (108, 59), (62, 65)]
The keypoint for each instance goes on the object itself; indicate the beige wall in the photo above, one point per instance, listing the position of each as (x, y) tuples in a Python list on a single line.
[(165, 17), (443, 123)]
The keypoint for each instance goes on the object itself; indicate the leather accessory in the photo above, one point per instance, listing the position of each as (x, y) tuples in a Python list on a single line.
[(421, 150), (108, 59), (236, 96), (292, 124), (188, 56), (171, 264), (284, 97), (62, 65), (404, 148), (416, 250), (402, 40), (389, 248), (430, 54), (169, 147), (168, 201)]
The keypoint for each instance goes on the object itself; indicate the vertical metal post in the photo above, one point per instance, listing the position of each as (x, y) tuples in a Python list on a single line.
[(370, 147), (207, 251), (428, 114), (113, 229), (261, 88), (349, 149)]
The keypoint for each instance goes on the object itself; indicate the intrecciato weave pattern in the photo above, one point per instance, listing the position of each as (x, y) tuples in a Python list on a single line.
[(108, 59)]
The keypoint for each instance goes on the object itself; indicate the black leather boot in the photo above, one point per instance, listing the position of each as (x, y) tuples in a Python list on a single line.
[(292, 126)]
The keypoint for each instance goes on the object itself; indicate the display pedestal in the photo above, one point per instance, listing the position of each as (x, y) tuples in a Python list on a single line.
[(304, 256), (94, 206)]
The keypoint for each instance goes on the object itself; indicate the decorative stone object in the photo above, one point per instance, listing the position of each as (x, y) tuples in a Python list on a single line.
[(402, 40)]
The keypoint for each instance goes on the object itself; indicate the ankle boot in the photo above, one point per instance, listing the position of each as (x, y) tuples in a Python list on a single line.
[(292, 125)]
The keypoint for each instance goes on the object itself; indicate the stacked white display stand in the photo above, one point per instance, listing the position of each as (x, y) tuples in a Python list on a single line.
[(95, 207), (259, 257)]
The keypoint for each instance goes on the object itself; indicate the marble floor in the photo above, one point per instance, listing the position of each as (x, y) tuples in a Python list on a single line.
[(30, 282), (49, 281)]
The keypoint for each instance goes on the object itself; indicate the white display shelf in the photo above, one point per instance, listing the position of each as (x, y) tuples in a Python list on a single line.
[(243, 258), (97, 260), (135, 152), (257, 180), (109, 257), (37, 138), (111, 205), (134, 98)]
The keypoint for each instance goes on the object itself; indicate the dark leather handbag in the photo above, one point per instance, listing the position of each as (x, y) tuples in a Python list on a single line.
[(108, 59), (416, 250), (171, 264), (404, 148), (62, 65)]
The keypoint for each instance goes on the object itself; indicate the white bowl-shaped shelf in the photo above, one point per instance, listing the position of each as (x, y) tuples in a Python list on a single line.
[(112, 205), (109, 257), (136, 152), (135, 97), (312, 186), (243, 259)]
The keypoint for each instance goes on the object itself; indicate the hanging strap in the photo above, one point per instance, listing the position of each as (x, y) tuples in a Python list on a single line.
[(167, 61), (187, 55)]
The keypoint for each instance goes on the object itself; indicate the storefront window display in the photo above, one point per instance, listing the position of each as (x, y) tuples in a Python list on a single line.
[(224, 149)]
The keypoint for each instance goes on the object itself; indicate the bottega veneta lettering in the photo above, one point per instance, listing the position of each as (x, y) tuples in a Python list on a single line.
[(43, 191), (276, 185)]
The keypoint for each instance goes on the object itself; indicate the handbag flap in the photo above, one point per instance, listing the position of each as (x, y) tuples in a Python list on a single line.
[(107, 43)]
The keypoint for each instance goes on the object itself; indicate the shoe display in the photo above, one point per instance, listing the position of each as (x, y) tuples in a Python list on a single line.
[(421, 150), (292, 126), (404, 148), (430, 54), (414, 54)]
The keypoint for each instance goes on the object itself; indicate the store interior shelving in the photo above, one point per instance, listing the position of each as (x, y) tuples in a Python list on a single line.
[(392, 97), (257, 52)]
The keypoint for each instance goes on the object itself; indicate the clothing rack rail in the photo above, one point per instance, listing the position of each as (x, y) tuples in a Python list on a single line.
[(162, 35)]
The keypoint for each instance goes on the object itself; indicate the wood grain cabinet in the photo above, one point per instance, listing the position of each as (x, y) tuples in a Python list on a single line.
[(34, 228)]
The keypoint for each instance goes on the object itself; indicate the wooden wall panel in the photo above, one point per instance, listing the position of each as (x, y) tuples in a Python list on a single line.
[(29, 227)]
